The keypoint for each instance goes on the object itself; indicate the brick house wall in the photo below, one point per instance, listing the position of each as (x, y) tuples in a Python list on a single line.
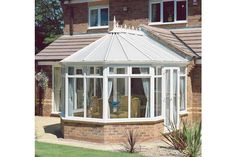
[(196, 93), (137, 13)]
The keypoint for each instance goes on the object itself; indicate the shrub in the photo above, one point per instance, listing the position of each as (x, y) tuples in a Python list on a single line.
[(187, 140), (131, 140)]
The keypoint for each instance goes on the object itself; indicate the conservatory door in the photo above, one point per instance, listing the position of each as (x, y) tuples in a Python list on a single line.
[(170, 97)]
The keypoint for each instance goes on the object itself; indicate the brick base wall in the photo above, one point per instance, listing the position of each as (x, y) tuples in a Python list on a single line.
[(110, 133)]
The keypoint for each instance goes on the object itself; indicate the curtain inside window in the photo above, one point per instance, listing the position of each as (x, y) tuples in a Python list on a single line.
[(62, 103), (146, 88), (70, 96), (175, 96), (109, 94), (57, 88), (182, 93)]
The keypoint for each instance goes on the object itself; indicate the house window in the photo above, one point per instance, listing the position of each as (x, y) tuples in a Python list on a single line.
[(156, 12), (181, 10), (167, 11), (98, 16)]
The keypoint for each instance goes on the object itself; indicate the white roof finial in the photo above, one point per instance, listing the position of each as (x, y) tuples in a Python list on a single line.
[(114, 22)]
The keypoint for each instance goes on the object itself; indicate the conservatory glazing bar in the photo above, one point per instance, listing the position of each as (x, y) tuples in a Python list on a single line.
[(120, 93)]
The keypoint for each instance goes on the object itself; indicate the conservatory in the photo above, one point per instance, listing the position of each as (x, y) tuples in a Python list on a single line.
[(125, 76)]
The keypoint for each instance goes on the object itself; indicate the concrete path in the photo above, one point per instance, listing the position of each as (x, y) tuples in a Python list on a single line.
[(48, 130)]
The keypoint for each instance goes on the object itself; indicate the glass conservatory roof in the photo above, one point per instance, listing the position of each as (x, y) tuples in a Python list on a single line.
[(125, 46)]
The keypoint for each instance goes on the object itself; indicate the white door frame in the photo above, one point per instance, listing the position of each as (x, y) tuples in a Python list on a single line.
[(171, 95)]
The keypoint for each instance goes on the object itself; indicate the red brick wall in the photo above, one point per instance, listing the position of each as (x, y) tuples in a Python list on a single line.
[(111, 133), (137, 13), (197, 90), (194, 94), (44, 99)]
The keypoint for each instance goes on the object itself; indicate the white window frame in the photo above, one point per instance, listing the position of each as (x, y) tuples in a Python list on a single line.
[(181, 112), (175, 12), (157, 76), (171, 96), (99, 16), (106, 75)]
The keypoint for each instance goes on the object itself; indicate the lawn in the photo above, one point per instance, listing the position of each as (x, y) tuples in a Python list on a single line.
[(55, 150)]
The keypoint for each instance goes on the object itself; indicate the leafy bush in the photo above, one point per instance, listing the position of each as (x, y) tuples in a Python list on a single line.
[(42, 79), (187, 140), (131, 141)]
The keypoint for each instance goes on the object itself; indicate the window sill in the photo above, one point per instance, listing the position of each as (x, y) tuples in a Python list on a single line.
[(113, 121), (98, 27), (167, 23)]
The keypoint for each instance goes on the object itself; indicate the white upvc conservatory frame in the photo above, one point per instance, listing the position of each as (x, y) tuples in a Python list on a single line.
[(129, 74)]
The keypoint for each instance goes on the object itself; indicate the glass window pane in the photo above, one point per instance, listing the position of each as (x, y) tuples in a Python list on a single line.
[(79, 71), (156, 12), (140, 97), (104, 17), (142, 70), (94, 97), (182, 70), (168, 11), (118, 97), (99, 70), (91, 70), (94, 17), (71, 70), (117, 70), (158, 71), (111, 70), (79, 108), (181, 10), (57, 89), (182, 94), (158, 95)]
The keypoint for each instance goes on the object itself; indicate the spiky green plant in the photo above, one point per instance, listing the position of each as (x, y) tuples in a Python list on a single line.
[(192, 136), (129, 144), (187, 140)]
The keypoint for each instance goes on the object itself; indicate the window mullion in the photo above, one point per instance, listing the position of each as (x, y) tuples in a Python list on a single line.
[(85, 96), (99, 16), (175, 11), (162, 11), (129, 91), (66, 93), (152, 72), (105, 93)]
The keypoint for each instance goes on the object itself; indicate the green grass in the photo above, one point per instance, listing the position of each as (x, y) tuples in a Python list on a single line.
[(55, 150)]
